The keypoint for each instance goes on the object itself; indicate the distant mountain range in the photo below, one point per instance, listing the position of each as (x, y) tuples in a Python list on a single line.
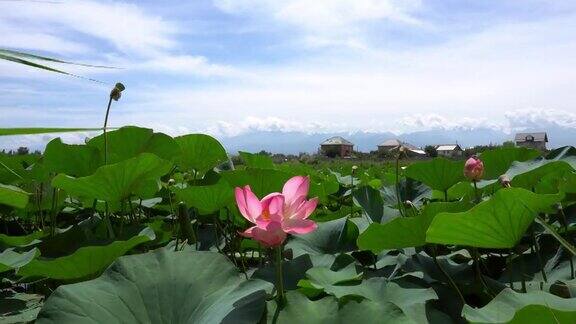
[(296, 142)]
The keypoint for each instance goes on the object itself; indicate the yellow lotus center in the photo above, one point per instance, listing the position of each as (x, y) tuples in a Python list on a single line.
[(266, 215)]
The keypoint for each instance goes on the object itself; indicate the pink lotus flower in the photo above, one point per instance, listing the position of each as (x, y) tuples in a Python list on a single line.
[(278, 214), (474, 169)]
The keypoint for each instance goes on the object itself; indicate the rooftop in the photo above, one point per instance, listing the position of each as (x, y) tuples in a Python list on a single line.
[(397, 142), (336, 140), (531, 137), (447, 147), (391, 142)]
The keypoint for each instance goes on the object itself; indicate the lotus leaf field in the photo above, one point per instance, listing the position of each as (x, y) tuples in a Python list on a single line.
[(139, 227)]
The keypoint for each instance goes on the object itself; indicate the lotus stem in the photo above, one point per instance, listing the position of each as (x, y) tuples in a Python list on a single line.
[(352, 192), (400, 207), (476, 192), (105, 133), (115, 94), (54, 213), (279, 277), (565, 225), (510, 270), (476, 261), (523, 280), (537, 250), (185, 226), (450, 280), (111, 234), (557, 236)]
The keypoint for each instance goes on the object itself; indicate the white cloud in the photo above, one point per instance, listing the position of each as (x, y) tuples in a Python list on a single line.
[(274, 124), (325, 14), (532, 118), (125, 26), (327, 22), (185, 64), (138, 40)]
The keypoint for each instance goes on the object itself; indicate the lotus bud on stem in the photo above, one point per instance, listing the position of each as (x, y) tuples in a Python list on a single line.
[(474, 170), (115, 95)]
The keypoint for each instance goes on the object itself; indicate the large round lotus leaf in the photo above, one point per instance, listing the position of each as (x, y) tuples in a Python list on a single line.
[(528, 173), (258, 161), (207, 199), (19, 307), (262, 181), (533, 307), (85, 263), (410, 301), (300, 309), (25, 240), (128, 142), (439, 174), (13, 167), (496, 223), (11, 260), (161, 287), (329, 238), (497, 161), (371, 201), (73, 160), (13, 196), (403, 232), (136, 176), (200, 152)]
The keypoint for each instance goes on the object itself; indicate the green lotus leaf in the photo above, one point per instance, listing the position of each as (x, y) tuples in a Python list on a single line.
[(19, 307), (292, 271), (498, 161), (257, 161), (73, 160), (207, 199), (128, 142), (498, 222), (13, 196), (323, 278), (200, 152), (85, 263), (402, 232), (329, 238), (9, 259), (527, 174), (300, 309), (323, 186), (439, 173), (533, 307), (371, 201), (13, 167), (115, 182), (161, 287), (25, 240), (262, 181), (410, 301)]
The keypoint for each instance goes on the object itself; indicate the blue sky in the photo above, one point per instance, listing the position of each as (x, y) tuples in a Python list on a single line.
[(231, 66)]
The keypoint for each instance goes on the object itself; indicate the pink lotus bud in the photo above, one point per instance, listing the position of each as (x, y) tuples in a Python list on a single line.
[(474, 168)]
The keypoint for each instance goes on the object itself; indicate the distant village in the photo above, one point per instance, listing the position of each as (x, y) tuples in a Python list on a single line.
[(338, 146)]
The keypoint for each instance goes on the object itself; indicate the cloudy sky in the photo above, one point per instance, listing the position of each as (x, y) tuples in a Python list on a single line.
[(231, 66)]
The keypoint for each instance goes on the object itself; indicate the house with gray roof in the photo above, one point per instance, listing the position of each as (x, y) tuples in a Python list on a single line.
[(535, 140), (449, 150), (394, 145), (336, 146)]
